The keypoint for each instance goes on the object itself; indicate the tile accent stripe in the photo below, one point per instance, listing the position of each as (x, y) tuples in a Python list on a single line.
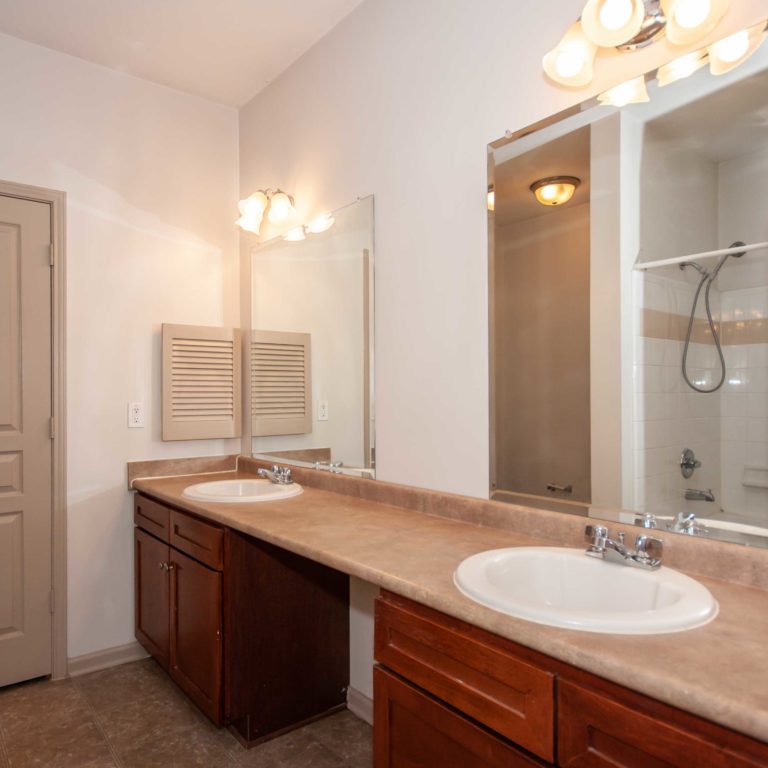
[(672, 327)]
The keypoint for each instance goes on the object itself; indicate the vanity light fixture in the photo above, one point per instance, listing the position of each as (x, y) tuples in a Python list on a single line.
[(491, 199), (632, 92), (295, 235), (626, 25), (555, 190), (277, 204)]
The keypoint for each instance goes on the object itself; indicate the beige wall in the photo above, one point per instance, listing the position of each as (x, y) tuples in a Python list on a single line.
[(151, 180), (542, 349)]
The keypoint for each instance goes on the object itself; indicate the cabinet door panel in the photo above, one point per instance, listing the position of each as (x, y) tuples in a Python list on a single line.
[(196, 621), (152, 595), (413, 729), (597, 732)]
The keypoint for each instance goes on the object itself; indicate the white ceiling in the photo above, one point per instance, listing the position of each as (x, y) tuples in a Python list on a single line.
[(223, 50)]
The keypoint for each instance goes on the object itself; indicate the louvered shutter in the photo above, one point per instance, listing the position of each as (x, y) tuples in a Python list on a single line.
[(201, 382), (281, 386)]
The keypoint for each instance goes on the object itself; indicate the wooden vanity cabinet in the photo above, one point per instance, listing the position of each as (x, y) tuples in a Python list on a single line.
[(445, 687), (256, 636)]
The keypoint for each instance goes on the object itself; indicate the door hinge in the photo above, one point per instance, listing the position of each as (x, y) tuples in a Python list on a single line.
[(52, 252), (53, 427), (52, 601)]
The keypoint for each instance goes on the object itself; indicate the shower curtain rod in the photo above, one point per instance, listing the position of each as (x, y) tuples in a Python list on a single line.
[(644, 265)]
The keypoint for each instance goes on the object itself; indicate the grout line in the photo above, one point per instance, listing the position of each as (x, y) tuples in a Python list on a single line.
[(99, 727)]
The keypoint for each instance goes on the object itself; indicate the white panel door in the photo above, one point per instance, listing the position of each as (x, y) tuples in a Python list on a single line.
[(25, 440)]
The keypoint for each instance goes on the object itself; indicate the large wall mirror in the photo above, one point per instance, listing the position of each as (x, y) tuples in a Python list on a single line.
[(629, 309), (311, 344)]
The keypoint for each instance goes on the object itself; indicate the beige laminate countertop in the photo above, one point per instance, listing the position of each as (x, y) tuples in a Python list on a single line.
[(719, 671)]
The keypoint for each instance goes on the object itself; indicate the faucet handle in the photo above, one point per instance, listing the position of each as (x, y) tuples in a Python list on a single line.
[(649, 547), (596, 536)]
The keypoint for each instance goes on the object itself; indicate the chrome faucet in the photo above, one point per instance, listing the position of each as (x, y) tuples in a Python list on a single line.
[(646, 555), (277, 475), (685, 522), (331, 466), (694, 494)]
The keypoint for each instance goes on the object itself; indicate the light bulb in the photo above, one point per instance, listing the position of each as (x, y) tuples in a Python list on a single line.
[(295, 235), (632, 92), (555, 190), (681, 68), (571, 62), (608, 23), (491, 199), (280, 208), (614, 14), (692, 13), (730, 52), (691, 20), (320, 224)]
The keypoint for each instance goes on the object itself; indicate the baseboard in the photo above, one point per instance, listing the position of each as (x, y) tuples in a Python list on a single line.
[(109, 657), (360, 705)]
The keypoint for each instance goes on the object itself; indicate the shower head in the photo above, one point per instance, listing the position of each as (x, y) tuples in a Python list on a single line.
[(696, 266), (723, 259)]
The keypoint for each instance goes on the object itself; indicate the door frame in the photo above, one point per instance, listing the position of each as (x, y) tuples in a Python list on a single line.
[(57, 201)]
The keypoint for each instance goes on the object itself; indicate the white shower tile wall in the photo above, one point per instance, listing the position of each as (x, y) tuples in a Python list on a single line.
[(668, 415), (744, 433)]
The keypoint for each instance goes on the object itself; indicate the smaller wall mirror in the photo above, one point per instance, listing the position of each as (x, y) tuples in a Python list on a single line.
[(311, 345)]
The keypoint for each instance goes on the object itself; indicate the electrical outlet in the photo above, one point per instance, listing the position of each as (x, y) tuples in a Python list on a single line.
[(136, 415), (322, 410)]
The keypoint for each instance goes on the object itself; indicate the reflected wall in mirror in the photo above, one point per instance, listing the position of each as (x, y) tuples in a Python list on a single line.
[(629, 324), (311, 346)]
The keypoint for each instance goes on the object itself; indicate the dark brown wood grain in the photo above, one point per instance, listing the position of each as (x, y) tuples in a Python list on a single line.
[(489, 682), (152, 516), (599, 732), (152, 595), (287, 637), (196, 633), (198, 539), (413, 729)]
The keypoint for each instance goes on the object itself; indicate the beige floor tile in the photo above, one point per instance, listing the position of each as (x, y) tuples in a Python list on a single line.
[(346, 736), (40, 705), (298, 749)]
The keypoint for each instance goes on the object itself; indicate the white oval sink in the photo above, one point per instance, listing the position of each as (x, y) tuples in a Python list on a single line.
[(566, 588), (241, 491)]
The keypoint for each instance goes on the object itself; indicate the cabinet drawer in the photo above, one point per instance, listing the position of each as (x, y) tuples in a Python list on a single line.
[(413, 729), (598, 732), (197, 539), (469, 669), (152, 516)]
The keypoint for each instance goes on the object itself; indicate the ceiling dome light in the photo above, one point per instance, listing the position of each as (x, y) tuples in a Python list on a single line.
[(691, 20), (608, 23), (252, 212), (556, 190), (280, 208), (728, 53), (321, 224), (680, 68), (571, 62), (632, 92), (295, 235)]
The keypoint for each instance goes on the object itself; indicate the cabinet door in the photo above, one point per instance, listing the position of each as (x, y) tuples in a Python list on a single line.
[(196, 619), (413, 729), (152, 595)]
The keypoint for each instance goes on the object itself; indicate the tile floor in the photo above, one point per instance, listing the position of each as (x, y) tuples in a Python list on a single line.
[(133, 716)]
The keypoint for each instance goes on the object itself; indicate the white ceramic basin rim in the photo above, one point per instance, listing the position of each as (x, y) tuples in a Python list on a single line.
[(241, 491), (565, 588)]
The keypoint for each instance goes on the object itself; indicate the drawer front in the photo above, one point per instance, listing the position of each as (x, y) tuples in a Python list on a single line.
[(470, 671), (413, 729), (198, 539), (598, 732), (152, 516)]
